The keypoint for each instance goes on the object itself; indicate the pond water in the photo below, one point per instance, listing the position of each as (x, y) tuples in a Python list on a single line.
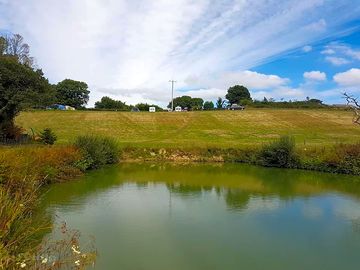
[(213, 216)]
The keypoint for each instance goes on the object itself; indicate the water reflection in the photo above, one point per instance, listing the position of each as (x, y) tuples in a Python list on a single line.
[(213, 216), (236, 184)]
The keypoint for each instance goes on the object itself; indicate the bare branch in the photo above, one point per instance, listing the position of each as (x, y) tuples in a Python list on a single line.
[(354, 104)]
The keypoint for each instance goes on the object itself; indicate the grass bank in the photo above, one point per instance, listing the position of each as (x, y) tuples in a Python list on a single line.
[(339, 158)]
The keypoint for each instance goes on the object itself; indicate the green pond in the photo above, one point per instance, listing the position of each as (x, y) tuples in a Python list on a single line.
[(213, 216)]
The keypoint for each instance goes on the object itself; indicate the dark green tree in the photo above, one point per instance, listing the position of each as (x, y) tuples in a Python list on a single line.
[(47, 136), (183, 102), (208, 105), (145, 107), (220, 103), (72, 93), (188, 102), (238, 93), (108, 103), (20, 87), (196, 104)]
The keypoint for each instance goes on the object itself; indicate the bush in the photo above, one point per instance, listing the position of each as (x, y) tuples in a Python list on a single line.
[(47, 136), (344, 158), (280, 153), (97, 151)]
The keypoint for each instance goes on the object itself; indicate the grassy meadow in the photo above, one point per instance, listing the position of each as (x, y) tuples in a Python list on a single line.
[(220, 129)]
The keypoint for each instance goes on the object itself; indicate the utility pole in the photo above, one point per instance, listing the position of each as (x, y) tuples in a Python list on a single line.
[(172, 94)]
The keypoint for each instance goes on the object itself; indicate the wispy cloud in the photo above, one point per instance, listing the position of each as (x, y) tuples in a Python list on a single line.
[(307, 48), (132, 48), (340, 54), (337, 61)]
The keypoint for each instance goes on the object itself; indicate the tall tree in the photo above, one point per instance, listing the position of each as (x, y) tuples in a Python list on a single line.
[(20, 87), (238, 93), (72, 93)]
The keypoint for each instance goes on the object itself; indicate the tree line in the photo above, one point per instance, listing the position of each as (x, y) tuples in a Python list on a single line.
[(107, 103), (240, 95)]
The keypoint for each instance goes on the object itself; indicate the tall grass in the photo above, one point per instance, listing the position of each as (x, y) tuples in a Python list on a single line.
[(22, 172)]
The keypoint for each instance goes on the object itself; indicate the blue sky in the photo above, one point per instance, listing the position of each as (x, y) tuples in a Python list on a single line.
[(129, 50)]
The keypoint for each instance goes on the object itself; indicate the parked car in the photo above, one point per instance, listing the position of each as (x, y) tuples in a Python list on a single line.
[(234, 107)]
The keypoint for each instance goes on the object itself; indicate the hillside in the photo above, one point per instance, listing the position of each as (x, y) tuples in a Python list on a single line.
[(198, 129)]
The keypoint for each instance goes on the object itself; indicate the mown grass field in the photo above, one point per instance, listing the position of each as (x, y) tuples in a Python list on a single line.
[(198, 129)]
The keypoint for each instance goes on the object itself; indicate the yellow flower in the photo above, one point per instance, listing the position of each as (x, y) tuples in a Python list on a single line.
[(23, 265)]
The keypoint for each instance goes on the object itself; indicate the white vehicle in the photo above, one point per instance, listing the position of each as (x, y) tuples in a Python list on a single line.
[(178, 109), (152, 109)]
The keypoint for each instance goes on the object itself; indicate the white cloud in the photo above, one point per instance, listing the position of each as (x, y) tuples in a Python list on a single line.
[(250, 79), (350, 78), (337, 61), (307, 48), (315, 75), (134, 47)]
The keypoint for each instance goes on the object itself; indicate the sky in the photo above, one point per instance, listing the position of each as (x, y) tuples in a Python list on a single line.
[(130, 49)]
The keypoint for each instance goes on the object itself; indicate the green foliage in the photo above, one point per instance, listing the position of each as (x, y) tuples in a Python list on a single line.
[(47, 136), (188, 102), (107, 103), (145, 107), (72, 93), (208, 105), (20, 87), (196, 104), (344, 158), (280, 153), (238, 93), (97, 151), (220, 103)]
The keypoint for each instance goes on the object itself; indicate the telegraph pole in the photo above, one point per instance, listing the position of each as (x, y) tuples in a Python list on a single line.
[(172, 94)]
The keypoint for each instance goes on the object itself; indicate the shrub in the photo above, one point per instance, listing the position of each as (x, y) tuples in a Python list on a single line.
[(280, 153), (97, 151), (344, 158), (47, 136)]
